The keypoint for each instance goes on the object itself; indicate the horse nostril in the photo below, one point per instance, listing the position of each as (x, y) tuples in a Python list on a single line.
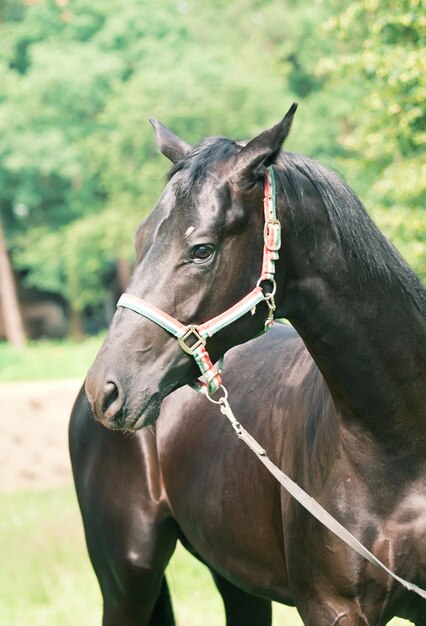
[(111, 396)]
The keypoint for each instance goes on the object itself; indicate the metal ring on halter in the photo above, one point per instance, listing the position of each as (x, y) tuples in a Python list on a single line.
[(209, 395), (268, 280), (270, 301)]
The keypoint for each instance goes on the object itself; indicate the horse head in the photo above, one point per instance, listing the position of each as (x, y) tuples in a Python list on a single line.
[(198, 253)]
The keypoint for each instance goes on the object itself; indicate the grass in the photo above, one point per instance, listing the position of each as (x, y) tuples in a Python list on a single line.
[(46, 578), (48, 359)]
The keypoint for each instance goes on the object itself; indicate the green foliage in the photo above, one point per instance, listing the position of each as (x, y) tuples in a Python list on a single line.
[(390, 60), (384, 47), (79, 80)]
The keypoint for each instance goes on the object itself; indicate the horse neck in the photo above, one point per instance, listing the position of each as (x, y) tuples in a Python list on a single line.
[(365, 333)]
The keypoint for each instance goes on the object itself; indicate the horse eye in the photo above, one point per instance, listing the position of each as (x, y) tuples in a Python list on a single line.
[(202, 252)]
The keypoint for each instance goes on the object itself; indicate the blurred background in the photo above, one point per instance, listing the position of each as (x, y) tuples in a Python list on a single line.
[(79, 170)]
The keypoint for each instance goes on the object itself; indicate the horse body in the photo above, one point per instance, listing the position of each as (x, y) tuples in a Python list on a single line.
[(356, 442), (191, 478), (279, 551)]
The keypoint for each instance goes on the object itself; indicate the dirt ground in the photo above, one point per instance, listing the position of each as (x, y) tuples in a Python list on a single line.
[(33, 433)]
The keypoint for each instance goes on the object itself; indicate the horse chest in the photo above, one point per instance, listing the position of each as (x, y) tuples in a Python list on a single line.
[(406, 528), (392, 525)]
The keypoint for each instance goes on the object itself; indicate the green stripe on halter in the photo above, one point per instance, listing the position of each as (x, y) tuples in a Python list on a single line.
[(154, 314)]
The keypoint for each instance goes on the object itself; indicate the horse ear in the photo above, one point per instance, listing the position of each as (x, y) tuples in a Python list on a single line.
[(263, 150), (168, 143)]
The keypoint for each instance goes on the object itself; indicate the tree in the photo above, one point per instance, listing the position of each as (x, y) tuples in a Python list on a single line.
[(79, 80), (78, 167), (383, 51), (9, 305)]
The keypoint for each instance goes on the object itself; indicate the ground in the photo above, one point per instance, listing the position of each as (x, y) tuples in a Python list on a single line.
[(33, 433)]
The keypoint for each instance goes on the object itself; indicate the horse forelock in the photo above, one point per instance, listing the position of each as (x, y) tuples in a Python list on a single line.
[(199, 164)]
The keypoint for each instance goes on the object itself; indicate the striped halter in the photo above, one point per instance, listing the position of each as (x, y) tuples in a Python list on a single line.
[(197, 334)]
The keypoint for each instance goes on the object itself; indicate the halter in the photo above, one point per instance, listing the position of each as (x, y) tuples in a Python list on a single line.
[(199, 333)]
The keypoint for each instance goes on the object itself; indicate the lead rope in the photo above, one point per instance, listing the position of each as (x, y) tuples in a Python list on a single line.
[(304, 498)]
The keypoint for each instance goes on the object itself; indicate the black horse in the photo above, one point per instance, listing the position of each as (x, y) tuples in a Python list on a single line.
[(356, 443)]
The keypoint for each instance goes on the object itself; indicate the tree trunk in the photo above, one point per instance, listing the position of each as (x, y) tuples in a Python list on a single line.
[(12, 318), (124, 271), (76, 324)]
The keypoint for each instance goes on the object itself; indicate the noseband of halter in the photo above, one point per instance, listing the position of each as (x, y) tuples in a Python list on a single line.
[(198, 334)]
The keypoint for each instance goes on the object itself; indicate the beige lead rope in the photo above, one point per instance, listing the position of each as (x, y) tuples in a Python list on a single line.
[(305, 499)]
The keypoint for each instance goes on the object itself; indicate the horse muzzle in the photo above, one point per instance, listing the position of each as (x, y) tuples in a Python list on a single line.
[(113, 408)]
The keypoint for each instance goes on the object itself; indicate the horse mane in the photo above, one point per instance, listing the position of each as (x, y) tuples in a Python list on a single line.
[(359, 237)]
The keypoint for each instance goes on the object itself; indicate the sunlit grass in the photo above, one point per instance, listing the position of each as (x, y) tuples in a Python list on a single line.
[(48, 359), (46, 578)]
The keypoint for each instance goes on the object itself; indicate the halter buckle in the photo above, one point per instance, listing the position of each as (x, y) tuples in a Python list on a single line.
[(200, 341), (272, 235)]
